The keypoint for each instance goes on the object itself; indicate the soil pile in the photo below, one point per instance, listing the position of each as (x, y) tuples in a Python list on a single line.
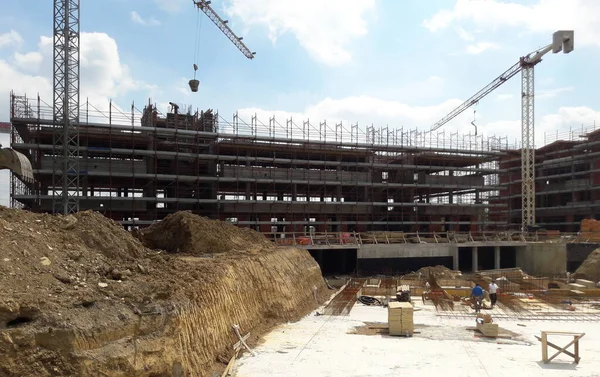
[(184, 232), (439, 272), (590, 268), (82, 297)]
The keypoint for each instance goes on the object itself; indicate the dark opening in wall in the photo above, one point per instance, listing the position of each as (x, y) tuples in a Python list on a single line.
[(399, 266), (485, 258), (465, 259), (508, 257), (336, 261)]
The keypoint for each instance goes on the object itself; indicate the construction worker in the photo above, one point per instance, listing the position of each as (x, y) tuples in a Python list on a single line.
[(493, 289), (477, 297)]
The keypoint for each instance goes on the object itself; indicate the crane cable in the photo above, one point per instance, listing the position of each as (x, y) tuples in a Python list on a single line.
[(197, 41)]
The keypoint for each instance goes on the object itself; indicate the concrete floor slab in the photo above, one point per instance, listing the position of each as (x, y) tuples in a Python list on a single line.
[(325, 346)]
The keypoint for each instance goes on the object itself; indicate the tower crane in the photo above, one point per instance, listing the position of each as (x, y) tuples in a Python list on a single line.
[(562, 40), (204, 6)]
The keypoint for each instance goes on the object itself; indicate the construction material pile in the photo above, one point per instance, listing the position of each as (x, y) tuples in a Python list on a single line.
[(82, 297), (187, 233), (590, 230), (590, 268), (400, 319)]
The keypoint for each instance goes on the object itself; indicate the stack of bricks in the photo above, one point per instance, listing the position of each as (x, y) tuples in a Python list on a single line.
[(590, 230), (400, 319)]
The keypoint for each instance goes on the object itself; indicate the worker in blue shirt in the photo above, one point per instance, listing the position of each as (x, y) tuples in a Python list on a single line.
[(477, 297)]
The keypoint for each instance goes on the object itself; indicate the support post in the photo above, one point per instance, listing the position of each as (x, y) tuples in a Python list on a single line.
[(475, 258), (455, 263), (497, 257)]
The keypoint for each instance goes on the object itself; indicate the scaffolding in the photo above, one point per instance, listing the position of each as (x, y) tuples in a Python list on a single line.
[(567, 180), (138, 166)]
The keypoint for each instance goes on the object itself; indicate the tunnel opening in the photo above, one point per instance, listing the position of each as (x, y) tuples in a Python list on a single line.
[(336, 261), (399, 266)]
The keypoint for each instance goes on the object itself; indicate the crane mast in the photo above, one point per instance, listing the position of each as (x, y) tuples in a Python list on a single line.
[(65, 103), (562, 40), (205, 7)]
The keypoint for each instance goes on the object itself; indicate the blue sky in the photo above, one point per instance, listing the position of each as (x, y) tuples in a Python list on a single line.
[(387, 62)]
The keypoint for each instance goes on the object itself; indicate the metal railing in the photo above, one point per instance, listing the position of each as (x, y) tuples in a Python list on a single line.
[(347, 239)]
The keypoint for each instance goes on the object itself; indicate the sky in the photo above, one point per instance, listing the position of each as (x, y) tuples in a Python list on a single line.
[(394, 63)]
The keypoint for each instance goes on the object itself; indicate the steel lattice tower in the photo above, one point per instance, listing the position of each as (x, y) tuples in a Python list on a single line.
[(528, 147), (65, 174)]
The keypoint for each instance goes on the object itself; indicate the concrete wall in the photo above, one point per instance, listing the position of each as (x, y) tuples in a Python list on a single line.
[(542, 259), (577, 253), (407, 251), (295, 174), (535, 259), (103, 166)]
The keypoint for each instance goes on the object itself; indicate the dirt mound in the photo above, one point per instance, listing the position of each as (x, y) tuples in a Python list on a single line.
[(184, 232), (53, 262), (439, 272), (82, 297), (590, 268)]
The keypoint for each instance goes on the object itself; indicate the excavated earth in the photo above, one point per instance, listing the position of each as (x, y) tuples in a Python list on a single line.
[(590, 268), (80, 296)]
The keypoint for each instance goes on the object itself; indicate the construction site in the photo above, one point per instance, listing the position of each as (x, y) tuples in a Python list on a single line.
[(151, 244)]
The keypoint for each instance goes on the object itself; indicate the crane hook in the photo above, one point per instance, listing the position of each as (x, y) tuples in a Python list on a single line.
[(473, 122)]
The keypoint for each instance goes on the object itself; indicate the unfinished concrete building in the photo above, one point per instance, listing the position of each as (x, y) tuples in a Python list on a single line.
[(287, 177), (403, 199), (567, 182)]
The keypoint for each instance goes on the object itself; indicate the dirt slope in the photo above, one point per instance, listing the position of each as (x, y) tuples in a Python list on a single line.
[(188, 233), (590, 268), (82, 297)]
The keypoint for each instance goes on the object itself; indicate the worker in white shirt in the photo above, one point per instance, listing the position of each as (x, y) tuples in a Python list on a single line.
[(493, 289)]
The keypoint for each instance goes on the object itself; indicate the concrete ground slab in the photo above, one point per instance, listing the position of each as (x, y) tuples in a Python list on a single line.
[(325, 346)]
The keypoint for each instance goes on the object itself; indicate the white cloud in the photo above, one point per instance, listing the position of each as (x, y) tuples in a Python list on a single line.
[(393, 114), (545, 16), (324, 28), (135, 17), (464, 35), (12, 38), (103, 74), (29, 61), (479, 47), (171, 6)]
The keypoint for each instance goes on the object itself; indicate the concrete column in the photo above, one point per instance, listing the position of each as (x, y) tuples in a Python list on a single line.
[(497, 257), (455, 265), (475, 259)]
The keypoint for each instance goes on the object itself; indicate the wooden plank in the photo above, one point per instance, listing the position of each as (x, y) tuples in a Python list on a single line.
[(545, 343), (230, 364), (238, 345)]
